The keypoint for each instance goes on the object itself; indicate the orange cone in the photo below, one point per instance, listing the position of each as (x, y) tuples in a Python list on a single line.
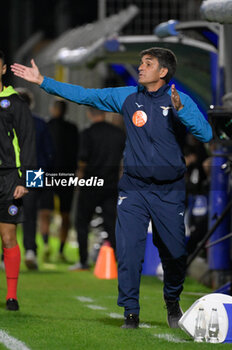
[(106, 267)]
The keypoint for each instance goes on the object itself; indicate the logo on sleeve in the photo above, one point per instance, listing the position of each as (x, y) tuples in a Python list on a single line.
[(165, 110), (139, 118), (5, 103)]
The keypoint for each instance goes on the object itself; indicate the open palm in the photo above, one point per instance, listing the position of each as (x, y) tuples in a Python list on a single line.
[(31, 74), (175, 97)]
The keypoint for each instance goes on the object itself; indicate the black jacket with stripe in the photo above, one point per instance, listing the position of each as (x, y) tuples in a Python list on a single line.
[(17, 135)]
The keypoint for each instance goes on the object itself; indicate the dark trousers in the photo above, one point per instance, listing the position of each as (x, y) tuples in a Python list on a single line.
[(30, 203), (88, 200), (164, 205), (36, 199)]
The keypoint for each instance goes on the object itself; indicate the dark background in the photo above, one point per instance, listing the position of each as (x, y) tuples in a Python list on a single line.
[(20, 19)]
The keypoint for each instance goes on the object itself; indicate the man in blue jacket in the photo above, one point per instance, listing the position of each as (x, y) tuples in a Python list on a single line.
[(152, 186)]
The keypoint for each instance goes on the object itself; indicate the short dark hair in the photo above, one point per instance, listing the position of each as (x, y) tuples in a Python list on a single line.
[(62, 106), (27, 96), (2, 56), (166, 59)]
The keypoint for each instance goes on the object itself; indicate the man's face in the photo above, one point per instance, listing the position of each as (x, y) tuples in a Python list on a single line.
[(2, 69), (150, 71)]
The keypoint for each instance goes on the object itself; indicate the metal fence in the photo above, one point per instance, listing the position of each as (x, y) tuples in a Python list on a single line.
[(153, 12)]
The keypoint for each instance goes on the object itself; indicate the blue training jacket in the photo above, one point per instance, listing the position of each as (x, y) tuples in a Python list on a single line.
[(154, 128)]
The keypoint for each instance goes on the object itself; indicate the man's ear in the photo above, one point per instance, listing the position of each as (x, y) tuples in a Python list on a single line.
[(163, 72), (4, 68)]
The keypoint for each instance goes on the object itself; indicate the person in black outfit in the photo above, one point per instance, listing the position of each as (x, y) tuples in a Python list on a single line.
[(65, 139), (36, 198), (101, 151), (17, 155), (197, 191)]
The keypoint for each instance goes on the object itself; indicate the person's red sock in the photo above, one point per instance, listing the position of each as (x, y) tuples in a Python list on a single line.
[(12, 259)]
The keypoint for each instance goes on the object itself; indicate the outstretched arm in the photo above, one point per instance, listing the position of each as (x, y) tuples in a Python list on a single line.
[(31, 74), (108, 99)]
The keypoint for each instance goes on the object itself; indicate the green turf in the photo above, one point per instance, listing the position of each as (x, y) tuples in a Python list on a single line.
[(51, 317)]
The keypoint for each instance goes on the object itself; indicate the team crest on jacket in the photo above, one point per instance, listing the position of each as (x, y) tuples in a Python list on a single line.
[(139, 118), (165, 110), (5, 103)]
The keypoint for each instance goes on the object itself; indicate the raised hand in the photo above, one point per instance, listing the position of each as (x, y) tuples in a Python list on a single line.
[(176, 98), (31, 74)]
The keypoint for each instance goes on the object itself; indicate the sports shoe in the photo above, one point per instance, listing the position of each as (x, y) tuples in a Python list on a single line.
[(30, 260), (174, 313), (79, 267), (12, 304), (131, 321)]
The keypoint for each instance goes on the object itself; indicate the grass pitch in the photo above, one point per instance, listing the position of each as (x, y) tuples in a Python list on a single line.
[(66, 310)]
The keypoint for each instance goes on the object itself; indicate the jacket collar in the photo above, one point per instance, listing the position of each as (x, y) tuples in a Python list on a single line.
[(7, 91), (161, 91)]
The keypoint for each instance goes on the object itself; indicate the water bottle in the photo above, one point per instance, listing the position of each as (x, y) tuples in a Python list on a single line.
[(200, 327), (213, 328)]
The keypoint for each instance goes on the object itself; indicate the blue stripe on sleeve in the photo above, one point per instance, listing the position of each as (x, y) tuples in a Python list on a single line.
[(108, 99)]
